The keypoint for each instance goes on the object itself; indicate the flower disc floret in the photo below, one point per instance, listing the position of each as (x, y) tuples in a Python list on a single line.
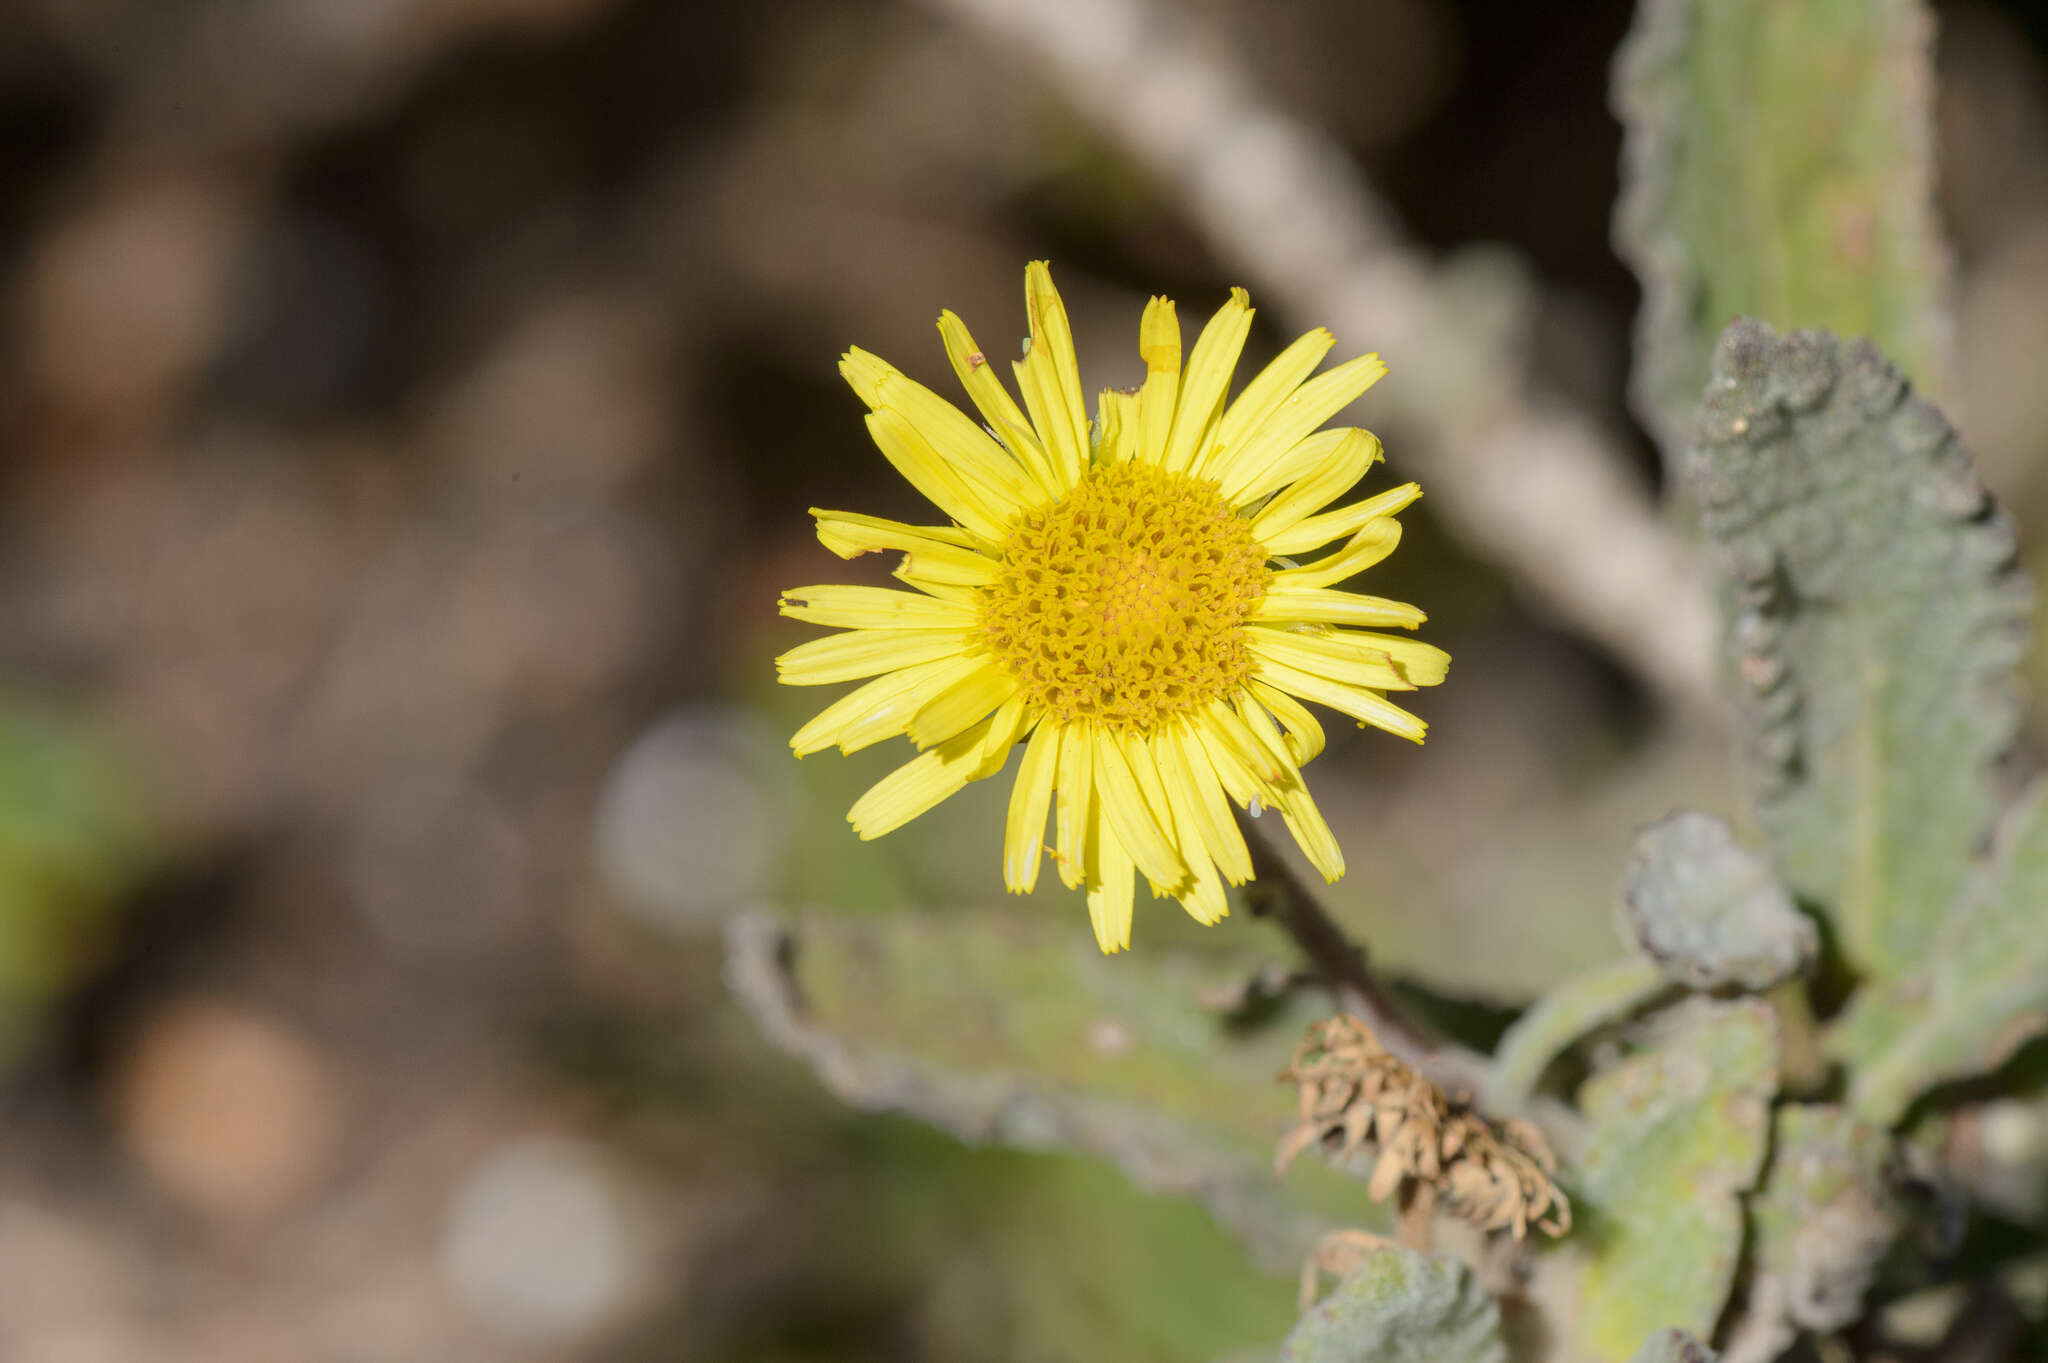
[(1125, 602)]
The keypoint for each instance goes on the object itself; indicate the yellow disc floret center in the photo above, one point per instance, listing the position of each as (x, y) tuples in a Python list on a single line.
[(1125, 602)]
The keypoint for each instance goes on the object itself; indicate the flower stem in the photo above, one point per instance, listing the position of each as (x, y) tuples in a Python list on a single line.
[(1276, 892)]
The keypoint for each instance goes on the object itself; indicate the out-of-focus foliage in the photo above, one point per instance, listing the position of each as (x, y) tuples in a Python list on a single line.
[(1875, 620), (1709, 911), (1566, 1013), (1699, 912), (1877, 623), (1779, 164), (1978, 994), (1007, 1028), (1401, 1307), (1830, 1208), (1025, 1256), (74, 837), (1676, 1134)]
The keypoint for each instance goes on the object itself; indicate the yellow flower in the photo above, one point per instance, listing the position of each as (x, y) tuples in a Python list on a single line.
[(1120, 598)]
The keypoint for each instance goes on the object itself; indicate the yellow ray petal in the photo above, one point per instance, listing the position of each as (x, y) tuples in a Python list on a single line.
[(1076, 799), (1424, 664), (1227, 726), (1304, 734), (1136, 823), (1033, 381), (1140, 753), (1372, 668), (967, 700), (863, 653), (1271, 741), (945, 427), (1207, 380), (943, 485), (1283, 605), (1373, 542), (879, 709), (945, 591), (950, 552), (918, 785), (1030, 799), (1057, 371), (1316, 531), (1187, 765), (1204, 898), (1261, 397), (1305, 409), (1248, 487), (848, 607), (1009, 726), (1417, 663), (997, 407), (863, 371), (1110, 891), (1053, 340), (1159, 346), (1356, 452), (1312, 832), (1239, 781), (1365, 706), (948, 568), (1119, 426)]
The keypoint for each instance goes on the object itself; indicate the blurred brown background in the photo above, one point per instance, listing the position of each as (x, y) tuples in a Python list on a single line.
[(410, 410)]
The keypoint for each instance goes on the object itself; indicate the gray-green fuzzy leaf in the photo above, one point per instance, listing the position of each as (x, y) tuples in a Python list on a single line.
[(1400, 1307), (1982, 991), (1588, 1000), (1876, 618), (1677, 1133), (1708, 910), (1011, 1028), (1827, 1212), (1778, 162)]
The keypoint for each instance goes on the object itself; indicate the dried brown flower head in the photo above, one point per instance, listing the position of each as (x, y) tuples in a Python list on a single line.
[(1353, 1091)]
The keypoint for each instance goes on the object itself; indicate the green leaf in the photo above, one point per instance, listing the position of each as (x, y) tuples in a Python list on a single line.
[(1981, 992), (1824, 1219), (1592, 999), (1030, 1257), (1008, 1026), (75, 834), (1778, 163), (1676, 1134), (1875, 620), (1401, 1307), (1708, 910)]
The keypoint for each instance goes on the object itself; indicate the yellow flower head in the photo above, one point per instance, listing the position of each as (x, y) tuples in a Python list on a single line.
[(1119, 597)]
